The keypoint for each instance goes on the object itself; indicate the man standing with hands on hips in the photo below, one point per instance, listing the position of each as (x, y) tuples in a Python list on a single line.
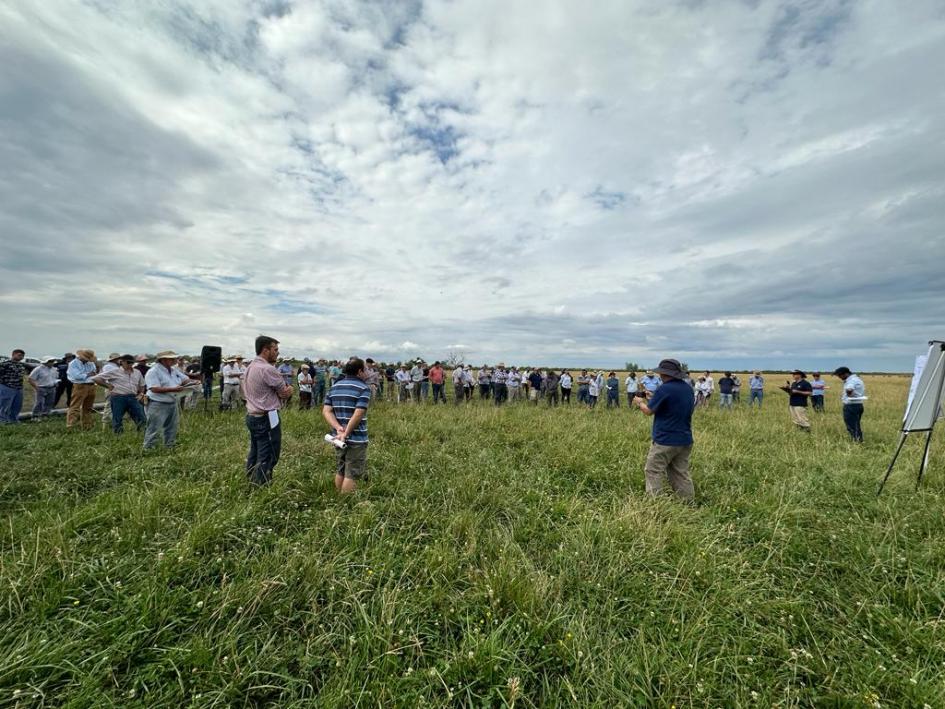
[(854, 394), (345, 410), (671, 407), (264, 390)]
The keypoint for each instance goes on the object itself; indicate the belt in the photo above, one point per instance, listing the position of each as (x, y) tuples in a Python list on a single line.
[(255, 415)]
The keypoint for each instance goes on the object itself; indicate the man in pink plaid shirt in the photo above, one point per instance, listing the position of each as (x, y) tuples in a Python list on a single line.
[(265, 391)]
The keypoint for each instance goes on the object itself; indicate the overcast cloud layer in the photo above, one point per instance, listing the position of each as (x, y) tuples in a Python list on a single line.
[(731, 183)]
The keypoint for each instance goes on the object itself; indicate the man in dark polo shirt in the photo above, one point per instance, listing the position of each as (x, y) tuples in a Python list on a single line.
[(799, 392), (671, 407), (345, 410)]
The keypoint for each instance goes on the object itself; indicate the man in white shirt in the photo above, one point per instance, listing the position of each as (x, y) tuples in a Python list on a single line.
[(709, 387), (514, 383), (402, 377), (633, 386), (854, 394), (232, 375), (44, 379), (416, 379), (164, 381)]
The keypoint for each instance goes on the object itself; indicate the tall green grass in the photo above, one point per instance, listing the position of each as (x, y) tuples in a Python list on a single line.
[(496, 557)]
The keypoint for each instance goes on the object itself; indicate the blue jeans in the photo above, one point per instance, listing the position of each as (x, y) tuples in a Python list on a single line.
[(613, 398), (852, 413), (265, 445), (11, 401), (318, 393), (756, 394), (725, 401), (438, 393), (163, 417), (126, 403), (45, 396), (817, 402)]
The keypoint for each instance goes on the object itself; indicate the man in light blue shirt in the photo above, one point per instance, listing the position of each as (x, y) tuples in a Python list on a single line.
[(853, 396), (756, 387), (80, 373), (650, 382)]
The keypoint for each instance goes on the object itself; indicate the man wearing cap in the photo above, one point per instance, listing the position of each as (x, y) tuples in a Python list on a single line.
[(650, 382), (265, 391), (416, 379), (125, 392), (232, 374), (671, 406), (854, 394), (44, 379), (437, 377), (305, 387), (163, 382), (11, 387), (80, 373), (799, 391)]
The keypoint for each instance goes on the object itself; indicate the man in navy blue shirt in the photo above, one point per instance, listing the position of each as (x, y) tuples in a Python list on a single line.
[(799, 392), (345, 410), (671, 407)]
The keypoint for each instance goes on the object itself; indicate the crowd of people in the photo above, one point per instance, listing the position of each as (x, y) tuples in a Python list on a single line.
[(152, 392)]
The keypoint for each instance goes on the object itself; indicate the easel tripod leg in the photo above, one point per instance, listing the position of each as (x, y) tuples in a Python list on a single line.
[(925, 459), (902, 440)]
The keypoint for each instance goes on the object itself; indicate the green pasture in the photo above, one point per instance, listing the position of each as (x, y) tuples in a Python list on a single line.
[(497, 557)]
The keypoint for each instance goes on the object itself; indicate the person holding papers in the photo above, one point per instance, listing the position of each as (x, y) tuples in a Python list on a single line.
[(854, 394), (264, 390)]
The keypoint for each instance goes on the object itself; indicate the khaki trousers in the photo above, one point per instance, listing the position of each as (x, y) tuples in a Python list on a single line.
[(799, 416), (80, 405), (670, 462)]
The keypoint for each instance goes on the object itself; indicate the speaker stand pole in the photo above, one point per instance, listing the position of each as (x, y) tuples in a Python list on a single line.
[(902, 440)]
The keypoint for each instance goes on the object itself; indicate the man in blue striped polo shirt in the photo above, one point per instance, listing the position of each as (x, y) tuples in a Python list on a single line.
[(345, 410)]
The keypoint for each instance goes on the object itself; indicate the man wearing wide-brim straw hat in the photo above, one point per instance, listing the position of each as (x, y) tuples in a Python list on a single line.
[(232, 372), (671, 407), (80, 373), (163, 381)]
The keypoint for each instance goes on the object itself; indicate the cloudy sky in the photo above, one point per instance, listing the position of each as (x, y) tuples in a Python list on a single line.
[(734, 183)]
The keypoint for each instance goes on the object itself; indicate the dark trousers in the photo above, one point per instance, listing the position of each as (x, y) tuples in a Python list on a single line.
[(817, 402), (501, 393), (852, 413), (64, 387), (305, 400), (565, 396), (438, 394), (265, 444), (613, 398), (483, 391), (582, 394), (126, 403)]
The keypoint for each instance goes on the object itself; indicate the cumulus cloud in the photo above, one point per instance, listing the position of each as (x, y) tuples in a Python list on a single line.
[(735, 184)]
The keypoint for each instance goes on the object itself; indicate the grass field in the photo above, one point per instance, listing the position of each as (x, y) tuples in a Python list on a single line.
[(496, 558)]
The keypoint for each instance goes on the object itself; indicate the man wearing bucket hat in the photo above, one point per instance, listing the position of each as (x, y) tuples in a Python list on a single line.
[(163, 381), (671, 407)]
